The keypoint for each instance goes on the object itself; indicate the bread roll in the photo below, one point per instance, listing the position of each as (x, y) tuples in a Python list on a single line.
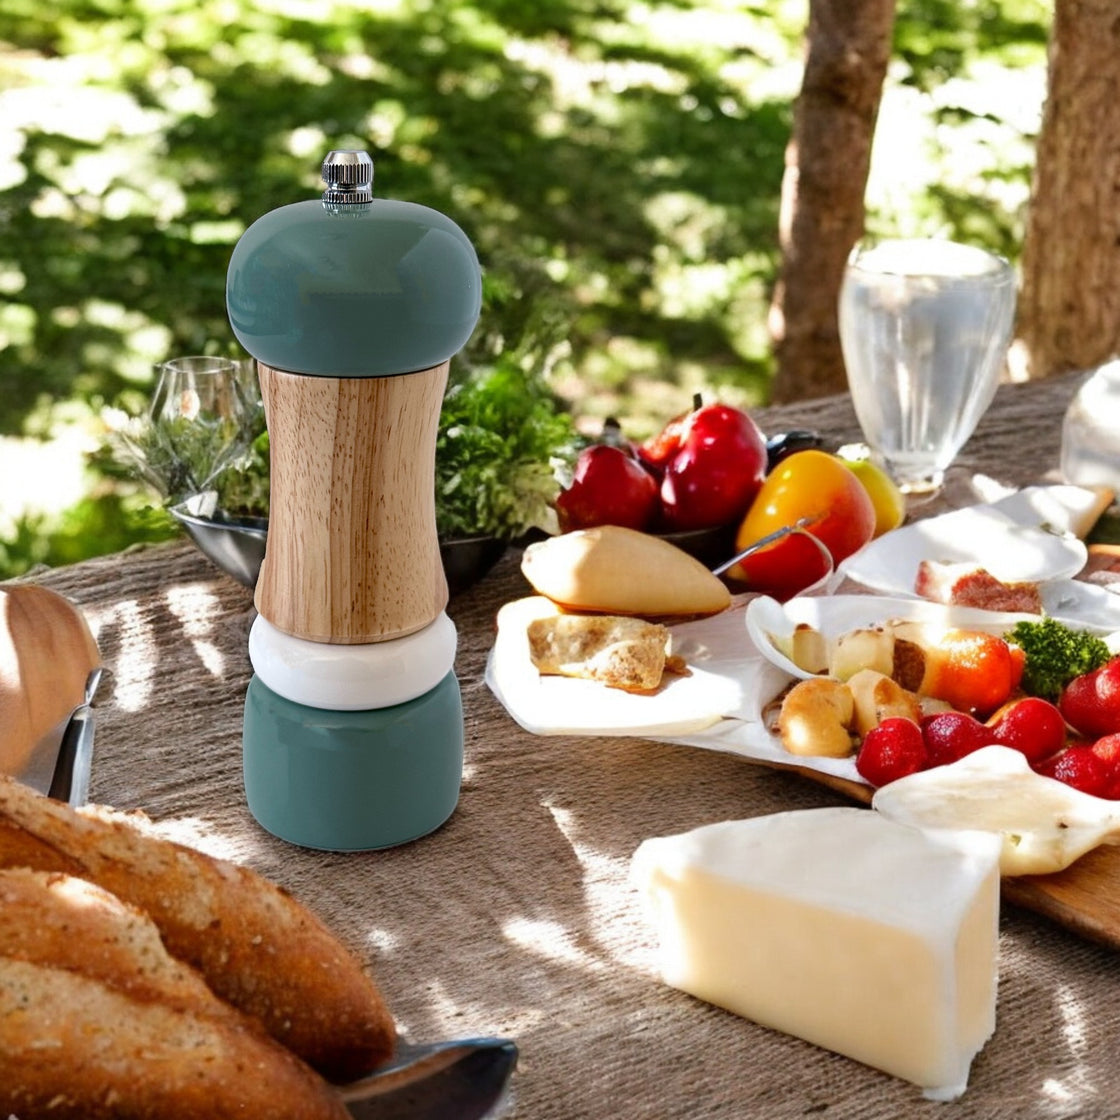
[(622, 652), (614, 570), (255, 946), (46, 653), (74, 1048)]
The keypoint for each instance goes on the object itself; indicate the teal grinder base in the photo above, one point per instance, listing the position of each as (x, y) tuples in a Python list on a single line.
[(353, 780)]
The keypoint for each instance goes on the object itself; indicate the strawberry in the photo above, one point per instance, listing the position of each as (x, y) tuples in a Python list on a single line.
[(1030, 725), (1080, 768), (1090, 703), (949, 736), (1107, 749), (891, 750)]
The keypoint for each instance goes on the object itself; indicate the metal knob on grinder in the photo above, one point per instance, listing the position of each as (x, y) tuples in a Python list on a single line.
[(352, 307)]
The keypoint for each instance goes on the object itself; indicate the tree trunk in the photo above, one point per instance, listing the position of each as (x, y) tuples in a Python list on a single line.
[(822, 210), (1069, 305)]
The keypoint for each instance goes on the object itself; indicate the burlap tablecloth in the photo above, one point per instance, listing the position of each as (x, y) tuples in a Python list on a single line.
[(517, 917)]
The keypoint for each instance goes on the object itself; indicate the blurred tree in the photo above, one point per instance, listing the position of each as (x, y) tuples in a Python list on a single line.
[(1069, 307), (620, 178), (825, 210), (822, 213)]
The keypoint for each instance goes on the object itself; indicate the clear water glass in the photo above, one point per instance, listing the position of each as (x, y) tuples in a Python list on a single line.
[(924, 327)]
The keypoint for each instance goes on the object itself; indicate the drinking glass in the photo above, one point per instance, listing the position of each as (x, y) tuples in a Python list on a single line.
[(924, 328), (201, 413)]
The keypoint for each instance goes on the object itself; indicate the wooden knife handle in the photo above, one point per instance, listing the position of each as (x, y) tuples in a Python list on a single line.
[(352, 554)]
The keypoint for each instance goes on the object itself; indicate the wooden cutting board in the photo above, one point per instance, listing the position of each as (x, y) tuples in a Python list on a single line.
[(1085, 898)]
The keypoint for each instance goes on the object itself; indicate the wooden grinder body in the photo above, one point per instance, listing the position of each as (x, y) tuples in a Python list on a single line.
[(352, 554)]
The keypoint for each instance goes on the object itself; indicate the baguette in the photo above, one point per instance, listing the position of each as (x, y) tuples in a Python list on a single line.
[(58, 921), (255, 946), (74, 1048)]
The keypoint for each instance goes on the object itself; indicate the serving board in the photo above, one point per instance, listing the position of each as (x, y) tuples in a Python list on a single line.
[(1085, 897)]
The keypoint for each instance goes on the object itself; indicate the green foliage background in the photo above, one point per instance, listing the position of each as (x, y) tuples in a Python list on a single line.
[(618, 166)]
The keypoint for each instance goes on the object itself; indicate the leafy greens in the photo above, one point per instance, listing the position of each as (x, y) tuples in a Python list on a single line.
[(502, 441)]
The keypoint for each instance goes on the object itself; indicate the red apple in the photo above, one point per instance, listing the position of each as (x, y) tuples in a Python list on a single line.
[(609, 487), (716, 470)]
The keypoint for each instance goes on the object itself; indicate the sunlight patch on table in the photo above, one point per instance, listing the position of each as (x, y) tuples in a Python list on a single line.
[(196, 608), (445, 1009), (383, 941), (1072, 1016), (605, 877), (1073, 1026), (549, 940), (194, 832), (134, 664)]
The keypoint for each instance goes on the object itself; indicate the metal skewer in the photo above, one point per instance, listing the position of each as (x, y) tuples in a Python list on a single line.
[(800, 527)]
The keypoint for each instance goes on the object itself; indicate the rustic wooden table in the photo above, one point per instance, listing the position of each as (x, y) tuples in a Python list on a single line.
[(517, 918)]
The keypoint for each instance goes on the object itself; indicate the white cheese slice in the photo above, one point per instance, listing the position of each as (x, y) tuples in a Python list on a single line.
[(1043, 824), (872, 939)]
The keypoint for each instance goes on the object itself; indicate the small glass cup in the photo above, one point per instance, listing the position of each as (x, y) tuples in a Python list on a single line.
[(201, 416), (924, 327)]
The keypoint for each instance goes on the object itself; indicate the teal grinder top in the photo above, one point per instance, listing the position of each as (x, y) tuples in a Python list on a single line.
[(352, 307), (353, 286)]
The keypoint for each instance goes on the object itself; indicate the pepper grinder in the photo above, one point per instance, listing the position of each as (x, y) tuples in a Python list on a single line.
[(352, 307)]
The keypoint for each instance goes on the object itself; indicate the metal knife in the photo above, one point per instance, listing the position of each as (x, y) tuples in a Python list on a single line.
[(70, 779)]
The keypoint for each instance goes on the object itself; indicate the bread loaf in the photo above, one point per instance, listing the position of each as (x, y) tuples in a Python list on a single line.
[(254, 945), (140, 1032), (62, 922), (74, 1048)]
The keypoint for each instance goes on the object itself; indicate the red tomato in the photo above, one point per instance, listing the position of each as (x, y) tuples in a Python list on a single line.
[(972, 671), (818, 488)]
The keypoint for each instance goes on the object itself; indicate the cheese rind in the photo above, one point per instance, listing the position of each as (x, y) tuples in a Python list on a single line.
[(866, 937)]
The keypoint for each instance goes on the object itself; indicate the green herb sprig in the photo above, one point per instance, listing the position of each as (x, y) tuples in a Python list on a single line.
[(1055, 654)]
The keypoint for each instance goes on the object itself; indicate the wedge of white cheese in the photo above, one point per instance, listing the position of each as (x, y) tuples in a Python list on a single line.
[(873, 939)]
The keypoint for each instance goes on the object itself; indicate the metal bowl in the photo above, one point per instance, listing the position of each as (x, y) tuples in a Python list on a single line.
[(709, 546), (236, 545), (467, 560)]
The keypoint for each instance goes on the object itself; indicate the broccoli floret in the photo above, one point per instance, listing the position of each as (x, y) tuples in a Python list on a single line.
[(1055, 654)]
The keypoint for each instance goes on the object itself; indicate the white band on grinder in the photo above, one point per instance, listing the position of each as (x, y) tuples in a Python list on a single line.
[(350, 678)]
